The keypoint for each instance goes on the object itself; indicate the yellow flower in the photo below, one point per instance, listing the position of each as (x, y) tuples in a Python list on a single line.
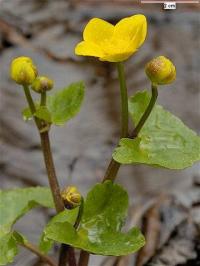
[(161, 71), (113, 43), (23, 71)]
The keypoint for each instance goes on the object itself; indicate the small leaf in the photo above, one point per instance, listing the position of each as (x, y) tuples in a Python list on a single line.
[(43, 113), (99, 232), (164, 141), (8, 249), (19, 238), (15, 203), (8, 246), (65, 104), (26, 114)]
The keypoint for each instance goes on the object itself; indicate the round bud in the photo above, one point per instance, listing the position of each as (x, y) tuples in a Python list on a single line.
[(42, 84), (161, 71), (23, 71), (71, 197)]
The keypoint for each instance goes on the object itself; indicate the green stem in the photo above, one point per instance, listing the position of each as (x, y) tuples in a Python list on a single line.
[(146, 114), (31, 105), (29, 99), (114, 166), (80, 213), (36, 251), (124, 100), (43, 98)]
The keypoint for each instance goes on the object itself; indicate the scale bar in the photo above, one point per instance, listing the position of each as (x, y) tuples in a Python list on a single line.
[(176, 1)]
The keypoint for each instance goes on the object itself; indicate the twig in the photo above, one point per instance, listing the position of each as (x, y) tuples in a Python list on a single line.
[(36, 251)]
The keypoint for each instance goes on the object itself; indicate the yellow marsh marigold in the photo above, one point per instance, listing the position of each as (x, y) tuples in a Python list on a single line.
[(23, 71), (161, 70), (113, 43)]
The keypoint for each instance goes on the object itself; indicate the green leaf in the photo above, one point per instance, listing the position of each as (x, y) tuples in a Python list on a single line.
[(19, 238), (26, 114), (66, 216), (61, 106), (8, 246), (43, 113), (15, 203), (65, 104), (8, 249), (99, 232), (164, 141)]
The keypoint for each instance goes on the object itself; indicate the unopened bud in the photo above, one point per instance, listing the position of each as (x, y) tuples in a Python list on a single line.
[(23, 71), (71, 197), (161, 71), (42, 84)]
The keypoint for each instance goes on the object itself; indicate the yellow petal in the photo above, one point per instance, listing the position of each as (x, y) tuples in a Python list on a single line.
[(97, 31), (88, 49), (117, 57), (133, 29)]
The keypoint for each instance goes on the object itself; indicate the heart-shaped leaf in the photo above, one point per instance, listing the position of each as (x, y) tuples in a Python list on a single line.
[(17, 202), (99, 232), (164, 141), (66, 216)]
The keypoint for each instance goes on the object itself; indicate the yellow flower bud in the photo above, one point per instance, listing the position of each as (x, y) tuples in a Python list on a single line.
[(71, 197), (161, 71), (42, 84), (23, 71)]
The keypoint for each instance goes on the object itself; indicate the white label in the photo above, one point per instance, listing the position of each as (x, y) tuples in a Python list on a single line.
[(170, 5)]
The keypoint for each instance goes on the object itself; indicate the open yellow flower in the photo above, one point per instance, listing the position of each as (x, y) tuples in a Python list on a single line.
[(113, 43)]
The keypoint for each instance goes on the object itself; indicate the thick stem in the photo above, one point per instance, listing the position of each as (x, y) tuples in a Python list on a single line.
[(53, 182), (114, 166), (36, 251), (84, 258), (48, 158)]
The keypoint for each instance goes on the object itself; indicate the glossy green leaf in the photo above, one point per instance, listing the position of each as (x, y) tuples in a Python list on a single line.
[(65, 104), (100, 232), (15, 203), (66, 216), (164, 141)]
